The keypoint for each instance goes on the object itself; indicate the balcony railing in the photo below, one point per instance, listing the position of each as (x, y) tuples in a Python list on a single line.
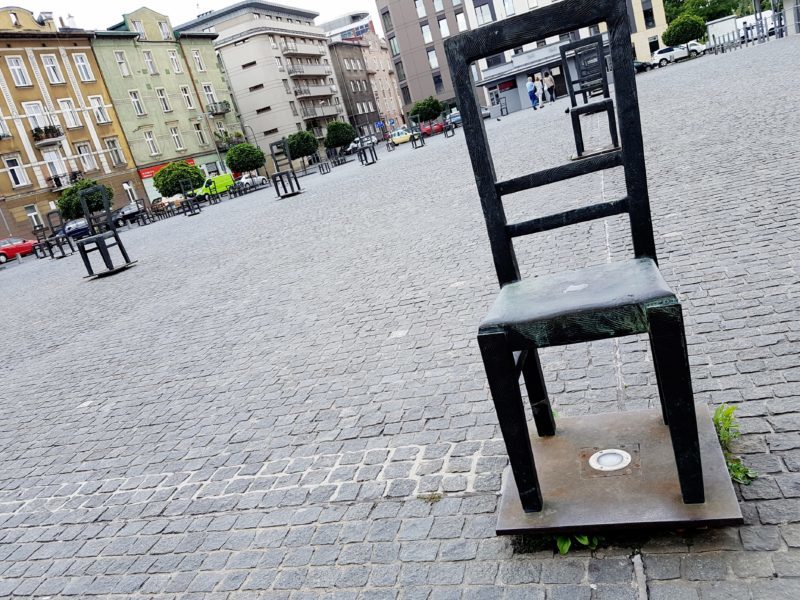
[(308, 49), (218, 108), (308, 70), (47, 136), (321, 111), (314, 90), (226, 144), (62, 181), (320, 132)]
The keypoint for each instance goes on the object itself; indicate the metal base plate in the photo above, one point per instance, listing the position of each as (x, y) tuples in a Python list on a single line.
[(113, 271), (595, 152), (644, 495)]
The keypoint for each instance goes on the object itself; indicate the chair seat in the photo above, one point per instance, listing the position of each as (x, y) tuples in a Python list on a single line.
[(94, 238), (586, 304)]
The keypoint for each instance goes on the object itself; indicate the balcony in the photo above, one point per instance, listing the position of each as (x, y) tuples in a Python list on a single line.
[(314, 90), (225, 143), (62, 181), (308, 70), (49, 135), (320, 111), (302, 50), (320, 132), (218, 108)]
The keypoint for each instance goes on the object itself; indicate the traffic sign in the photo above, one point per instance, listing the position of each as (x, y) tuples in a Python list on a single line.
[(391, 121), (379, 124)]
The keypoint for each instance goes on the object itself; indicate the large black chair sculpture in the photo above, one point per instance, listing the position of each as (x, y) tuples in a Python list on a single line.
[(189, 207), (58, 239), (284, 178), (611, 300), (589, 77), (102, 234)]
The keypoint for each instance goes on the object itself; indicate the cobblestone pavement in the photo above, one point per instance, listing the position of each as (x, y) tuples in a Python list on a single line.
[(284, 399)]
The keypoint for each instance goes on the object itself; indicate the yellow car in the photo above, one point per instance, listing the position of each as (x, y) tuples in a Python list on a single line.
[(401, 136)]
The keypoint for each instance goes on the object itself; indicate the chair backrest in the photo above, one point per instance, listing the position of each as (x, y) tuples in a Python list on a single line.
[(40, 233), (187, 189), (102, 219), (588, 60), (281, 157), (555, 19), (55, 221)]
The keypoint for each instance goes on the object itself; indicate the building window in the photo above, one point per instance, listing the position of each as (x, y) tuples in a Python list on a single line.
[(138, 105), (420, 8), (152, 69), (115, 152), (508, 5), (176, 138), (259, 111), (437, 83), (69, 113), (495, 60), (444, 28), (87, 159), (54, 162), (18, 71), (164, 29), (32, 212), (201, 136), (36, 116), (286, 86), (400, 70), (150, 140), (84, 69), (461, 19), (293, 106), (99, 109), (653, 43), (483, 14), (14, 19), (52, 69), (139, 28), (426, 33), (129, 191), (541, 43), (119, 56), (187, 97), (15, 171), (352, 86), (386, 19), (394, 46), (649, 18), (371, 107), (405, 94), (256, 87), (208, 90), (432, 60), (438, 5), (198, 60), (346, 63), (175, 62), (163, 99)]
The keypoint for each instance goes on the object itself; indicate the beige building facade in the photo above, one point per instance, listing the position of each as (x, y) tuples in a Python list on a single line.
[(380, 70), (278, 66), (57, 121)]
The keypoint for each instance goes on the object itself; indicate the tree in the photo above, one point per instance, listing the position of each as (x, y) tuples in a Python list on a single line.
[(707, 10), (245, 157), (427, 109), (684, 29), (168, 180), (302, 144), (339, 134), (70, 202)]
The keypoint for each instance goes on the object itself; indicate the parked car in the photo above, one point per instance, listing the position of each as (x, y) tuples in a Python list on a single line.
[(76, 229), (695, 48), (430, 129), (253, 180), (10, 248), (663, 56), (641, 67), (361, 142), (126, 214), (454, 118), (401, 136), (223, 183)]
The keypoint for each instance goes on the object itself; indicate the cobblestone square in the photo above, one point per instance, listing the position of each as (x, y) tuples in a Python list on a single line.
[(285, 399)]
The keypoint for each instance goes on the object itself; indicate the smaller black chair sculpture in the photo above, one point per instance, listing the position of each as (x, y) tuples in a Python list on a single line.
[(189, 207), (102, 233), (588, 78), (143, 216), (324, 167), (284, 178), (449, 129), (58, 239), (42, 247), (417, 139), (367, 155)]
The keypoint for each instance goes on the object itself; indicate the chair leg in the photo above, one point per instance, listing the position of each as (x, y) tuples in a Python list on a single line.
[(85, 258), (612, 125), (103, 249), (576, 130), (501, 371), (669, 348), (661, 398), (122, 249), (537, 394)]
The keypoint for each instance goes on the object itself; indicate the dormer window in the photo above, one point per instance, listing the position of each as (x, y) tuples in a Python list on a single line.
[(163, 27), (14, 19), (139, 28)]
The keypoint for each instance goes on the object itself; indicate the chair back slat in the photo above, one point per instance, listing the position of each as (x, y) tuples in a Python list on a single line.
[(98, 221), (555, 19), (55, 221)]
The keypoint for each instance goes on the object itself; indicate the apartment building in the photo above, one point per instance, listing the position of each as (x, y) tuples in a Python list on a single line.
[(416, 30), (169, 92), (350, 67), (278, 66), (57, 121), (348, 26)]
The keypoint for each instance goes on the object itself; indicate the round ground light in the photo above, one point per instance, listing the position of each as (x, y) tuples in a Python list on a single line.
[(611, 459)]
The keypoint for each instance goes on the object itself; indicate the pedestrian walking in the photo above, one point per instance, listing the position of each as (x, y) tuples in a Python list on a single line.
[(550, 86), (532, 93), (539, 88)]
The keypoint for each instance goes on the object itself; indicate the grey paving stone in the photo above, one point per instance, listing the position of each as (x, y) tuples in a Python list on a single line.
[(671, 591)]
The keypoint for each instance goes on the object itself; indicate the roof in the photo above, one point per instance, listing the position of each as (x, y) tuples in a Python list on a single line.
[(214, 15)]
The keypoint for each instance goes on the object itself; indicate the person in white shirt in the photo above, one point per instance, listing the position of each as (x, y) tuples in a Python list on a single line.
[(532, 93), (539, 88)]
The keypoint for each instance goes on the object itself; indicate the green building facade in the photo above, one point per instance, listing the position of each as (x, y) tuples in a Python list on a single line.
[(169, 92)]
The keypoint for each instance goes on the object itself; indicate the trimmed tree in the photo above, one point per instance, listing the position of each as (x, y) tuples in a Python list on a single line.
[(168, 180), (245, 157), (302, 144), (427, 109), (339, 134), (683, 30), (69, 203)]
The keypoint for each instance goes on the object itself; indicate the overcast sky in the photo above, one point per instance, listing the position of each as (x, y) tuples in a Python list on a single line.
[(94, 14)]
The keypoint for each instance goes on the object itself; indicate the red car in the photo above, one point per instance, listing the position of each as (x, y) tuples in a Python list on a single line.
[(11, 247), (431, 130)]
